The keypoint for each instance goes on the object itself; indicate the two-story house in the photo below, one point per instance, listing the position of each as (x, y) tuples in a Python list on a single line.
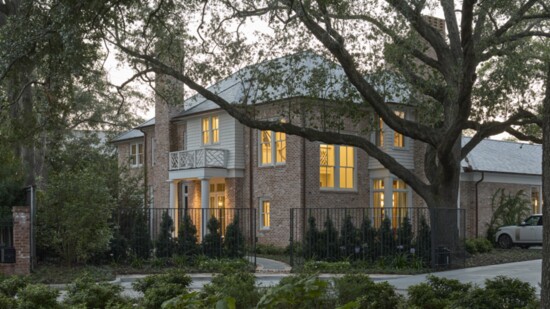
[(196, 156)]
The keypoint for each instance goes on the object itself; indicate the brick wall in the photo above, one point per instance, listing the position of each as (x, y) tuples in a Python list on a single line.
[(21, 242)]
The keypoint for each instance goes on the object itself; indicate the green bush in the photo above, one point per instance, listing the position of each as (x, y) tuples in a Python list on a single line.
[(423, 242), (233, 244), (350, 287), (312, 240), (326, 267), (380, 296), (187, 238), (157, 289), (212, 242), (405, 235), (368, 235), (270, 249), (305, 291), (140, 240), (237, 285), (478, 245), (9, 286), (329, 247), (37, 296), (84, 291), (349, 239), (501, 292), (165, 243), (387, 238), (7, 302), (223, 265), (437, 293)]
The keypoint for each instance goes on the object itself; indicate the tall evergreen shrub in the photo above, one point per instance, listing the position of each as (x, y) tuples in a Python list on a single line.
[(212, 243), (187, 238), (369, 244), (140, 241), (234, 240), (329, 241), (165, 242), (405, 234), (349, 239), (423, 242), (387, 238), (311, 241)]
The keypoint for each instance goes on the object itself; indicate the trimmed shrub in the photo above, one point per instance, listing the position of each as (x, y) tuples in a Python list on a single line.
[(423, 242), (240, 286), (349, 240), (387, 238), (212, 242), (368, 234), (37, 296), (311, 241), (85, 292), (272, 249), (329, 248), (437, 293), (187, 238), (405, 235), (165, 243), (234, 240), (157, 289), (118, 246), (478, 245), (140, 241)]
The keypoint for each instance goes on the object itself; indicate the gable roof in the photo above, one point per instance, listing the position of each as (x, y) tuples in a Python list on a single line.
[(504, 157), (134, 133)]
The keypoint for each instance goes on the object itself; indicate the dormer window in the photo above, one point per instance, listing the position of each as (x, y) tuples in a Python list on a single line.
[(210, 130)]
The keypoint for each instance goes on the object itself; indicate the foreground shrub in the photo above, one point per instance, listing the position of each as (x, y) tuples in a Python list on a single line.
[(478, 245), (240, 286), (437, 293), (157, 289), (10, 285), (501, 292), (85, 292), (37, 296), (350, 287), (7, 302), (305, 291)]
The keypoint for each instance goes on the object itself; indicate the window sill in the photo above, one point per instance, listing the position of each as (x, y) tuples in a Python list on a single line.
[(272, 165), (265, 229), (136, 166), (339, 191)]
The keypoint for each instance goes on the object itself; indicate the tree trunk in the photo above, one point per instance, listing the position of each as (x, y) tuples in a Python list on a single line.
[(545, 284)]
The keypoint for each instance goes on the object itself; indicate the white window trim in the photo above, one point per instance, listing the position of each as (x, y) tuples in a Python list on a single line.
[(210, 131), (273, 149), (337, 170), (261, 214), (137, 155)]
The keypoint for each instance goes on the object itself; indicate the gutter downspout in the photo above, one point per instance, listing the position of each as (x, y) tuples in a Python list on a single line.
[(145, 187), (477, 202)]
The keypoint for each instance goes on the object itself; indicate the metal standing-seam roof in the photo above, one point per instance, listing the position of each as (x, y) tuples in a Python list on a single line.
[(504, 157)]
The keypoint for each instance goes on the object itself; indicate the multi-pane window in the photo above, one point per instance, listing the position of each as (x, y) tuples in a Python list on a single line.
[(272, 147), (265, 214), (336, 166), (399, 202), (136, 154), (398, 138), (380, 133), (210, 130), (378, 201)]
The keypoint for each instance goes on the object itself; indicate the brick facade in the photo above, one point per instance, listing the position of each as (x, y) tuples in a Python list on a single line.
[(21, 243)]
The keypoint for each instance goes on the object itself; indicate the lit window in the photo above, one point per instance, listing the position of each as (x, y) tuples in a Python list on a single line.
[(380, 133), (398, 138), (265, 214), (378, 201), (399, 201), (336, 166), (136, 154), (535, 200), (210, 130), (272, 147)]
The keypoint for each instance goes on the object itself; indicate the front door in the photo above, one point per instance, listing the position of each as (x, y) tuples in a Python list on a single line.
[(217, 203)]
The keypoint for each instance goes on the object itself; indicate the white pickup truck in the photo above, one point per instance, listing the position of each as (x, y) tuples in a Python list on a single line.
[(528, 233)]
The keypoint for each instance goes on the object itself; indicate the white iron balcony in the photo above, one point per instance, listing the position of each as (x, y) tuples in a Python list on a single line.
[(198, 158)]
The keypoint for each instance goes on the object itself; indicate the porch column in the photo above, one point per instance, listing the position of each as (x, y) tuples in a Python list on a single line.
[(173, 191), (205, 198)]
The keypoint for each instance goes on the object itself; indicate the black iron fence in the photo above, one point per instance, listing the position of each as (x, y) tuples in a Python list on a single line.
[(167, 232), (416, 236)]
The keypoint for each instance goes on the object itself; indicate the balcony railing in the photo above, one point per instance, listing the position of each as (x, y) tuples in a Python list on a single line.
[(198, 158)]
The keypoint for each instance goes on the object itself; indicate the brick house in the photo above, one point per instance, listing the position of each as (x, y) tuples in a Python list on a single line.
[(197, 156)]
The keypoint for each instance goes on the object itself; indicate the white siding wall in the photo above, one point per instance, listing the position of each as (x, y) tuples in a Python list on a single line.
[(231, 137), (405, 155)]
